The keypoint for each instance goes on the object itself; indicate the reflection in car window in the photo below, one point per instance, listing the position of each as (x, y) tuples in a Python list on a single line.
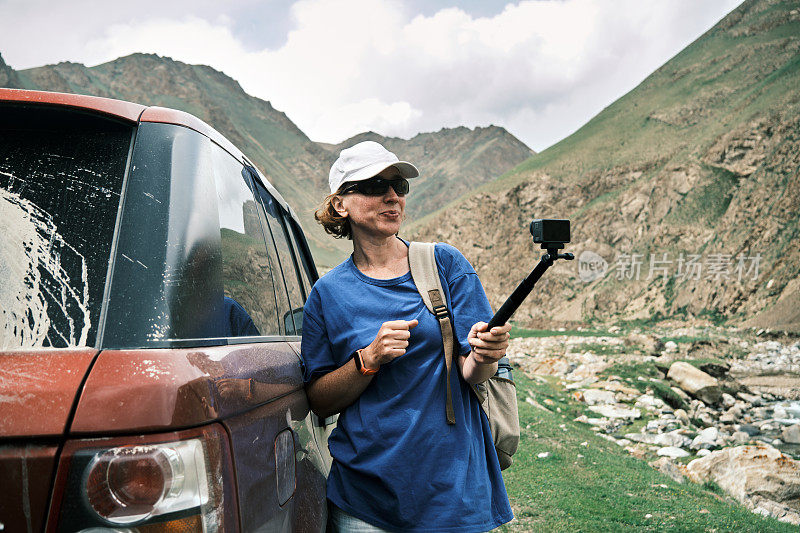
[(61, 175), (289, 317), (305, 275), (249, 305)]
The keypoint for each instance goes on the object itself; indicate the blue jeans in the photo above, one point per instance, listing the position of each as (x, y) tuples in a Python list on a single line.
[(342, 522)]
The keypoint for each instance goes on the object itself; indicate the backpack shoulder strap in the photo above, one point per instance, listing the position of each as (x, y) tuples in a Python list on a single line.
[(425, 273)]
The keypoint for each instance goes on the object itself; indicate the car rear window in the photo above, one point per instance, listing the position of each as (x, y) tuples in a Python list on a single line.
[(61, 174)]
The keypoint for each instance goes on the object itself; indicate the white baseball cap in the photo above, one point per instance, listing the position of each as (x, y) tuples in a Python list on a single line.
[(363, 161)]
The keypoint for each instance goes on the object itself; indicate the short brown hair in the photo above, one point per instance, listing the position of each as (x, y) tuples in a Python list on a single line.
[(331, 220)]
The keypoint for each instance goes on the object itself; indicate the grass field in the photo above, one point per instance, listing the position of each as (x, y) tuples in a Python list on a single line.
[(598, 486)]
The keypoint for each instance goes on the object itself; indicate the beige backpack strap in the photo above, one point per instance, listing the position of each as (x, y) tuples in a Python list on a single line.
[(425, 273)]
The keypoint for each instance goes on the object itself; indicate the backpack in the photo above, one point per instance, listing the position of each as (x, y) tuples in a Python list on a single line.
[(498, 395)]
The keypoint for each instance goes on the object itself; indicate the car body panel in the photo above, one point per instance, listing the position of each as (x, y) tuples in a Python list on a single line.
[(257, 462), (23, 506), (158, 389), (38, 389), (117, 108)]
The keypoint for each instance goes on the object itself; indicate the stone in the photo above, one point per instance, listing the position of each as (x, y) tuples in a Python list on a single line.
[(728, 400), (695, 404), (695, 382), (793, 410), (591, 421), (671, 346), (750, 473), (681, 415), (672, 451), (599, 397), (616, 411), (648, 344), (615, 386), (752, 399), (740, 437), (647, 438), (705, 439), (703, 452), (551, 366), (582, 384), (672, 438), (750, 429), (665, 465), (779, 412), (791, 434), (685, 397), (732, 386), (536, 404), (784, 513), (636, 451), (588, 371), (651, 403), (717, 369), (656, 425), (705, 419)]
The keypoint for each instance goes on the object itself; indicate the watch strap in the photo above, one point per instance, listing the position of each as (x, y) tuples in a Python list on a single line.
[(360, 364)]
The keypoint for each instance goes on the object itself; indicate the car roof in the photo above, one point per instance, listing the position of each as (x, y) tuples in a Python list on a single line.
[(135, 114)]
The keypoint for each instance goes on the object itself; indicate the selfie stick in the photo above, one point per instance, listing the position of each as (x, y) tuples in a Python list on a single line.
[(524, 289)]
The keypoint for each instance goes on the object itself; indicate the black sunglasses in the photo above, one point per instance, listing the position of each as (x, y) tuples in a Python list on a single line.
[(379, 186)]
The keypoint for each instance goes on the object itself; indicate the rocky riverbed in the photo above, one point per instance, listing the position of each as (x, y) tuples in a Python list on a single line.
[(707, 405)]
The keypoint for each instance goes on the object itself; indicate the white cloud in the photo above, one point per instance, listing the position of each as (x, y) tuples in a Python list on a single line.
[(540, 68), (370, 114), (191, 40)]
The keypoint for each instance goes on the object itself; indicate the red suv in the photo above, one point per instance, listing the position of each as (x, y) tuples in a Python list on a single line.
[(152, 291)]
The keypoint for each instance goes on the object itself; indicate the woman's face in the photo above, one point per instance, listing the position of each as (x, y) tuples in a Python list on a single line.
[(374, 215)]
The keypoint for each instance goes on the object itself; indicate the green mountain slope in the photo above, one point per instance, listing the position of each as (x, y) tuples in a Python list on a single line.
[(700, 159), (452, 161)]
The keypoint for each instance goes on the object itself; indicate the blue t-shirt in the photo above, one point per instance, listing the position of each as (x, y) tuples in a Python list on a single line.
[(397, 463)]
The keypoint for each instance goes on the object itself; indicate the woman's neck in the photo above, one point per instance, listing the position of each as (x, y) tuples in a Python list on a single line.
[(381, 258)]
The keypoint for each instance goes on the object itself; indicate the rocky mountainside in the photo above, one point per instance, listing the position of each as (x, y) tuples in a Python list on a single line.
[(459, 157), (8, 76), (683, 194), (453, 161)]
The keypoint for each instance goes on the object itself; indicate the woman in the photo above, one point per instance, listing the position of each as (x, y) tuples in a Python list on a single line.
[(373, 354)]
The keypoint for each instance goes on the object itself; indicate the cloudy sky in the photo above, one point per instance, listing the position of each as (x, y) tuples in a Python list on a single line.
[(539, 68)]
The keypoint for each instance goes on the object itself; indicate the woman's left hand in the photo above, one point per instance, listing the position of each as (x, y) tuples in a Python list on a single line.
[(488, 346)]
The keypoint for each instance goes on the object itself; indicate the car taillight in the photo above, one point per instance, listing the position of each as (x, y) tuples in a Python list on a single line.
[(131, 483), (147, 486)]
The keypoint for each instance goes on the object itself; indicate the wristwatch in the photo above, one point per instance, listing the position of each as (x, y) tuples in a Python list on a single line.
[(360, 364)]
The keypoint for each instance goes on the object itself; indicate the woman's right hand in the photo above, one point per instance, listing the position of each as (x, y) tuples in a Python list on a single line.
[(390, 343)]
